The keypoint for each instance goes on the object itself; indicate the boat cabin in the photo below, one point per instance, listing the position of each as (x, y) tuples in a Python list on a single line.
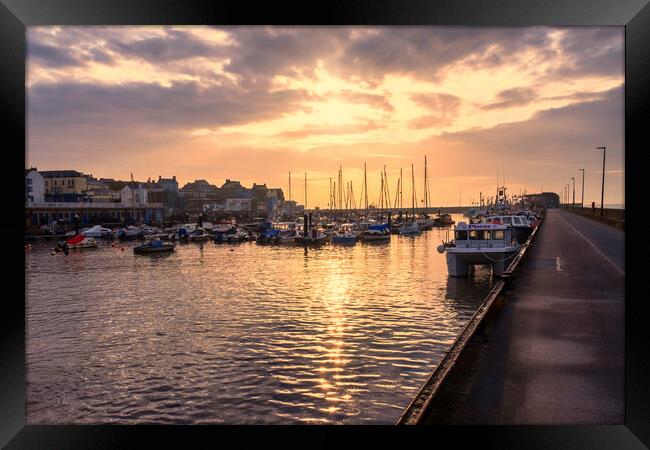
[(482, 235), (515, 221)]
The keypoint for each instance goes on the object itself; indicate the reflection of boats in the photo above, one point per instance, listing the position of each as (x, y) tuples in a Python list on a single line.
[(156, 246), (479, 244), (81, 241)]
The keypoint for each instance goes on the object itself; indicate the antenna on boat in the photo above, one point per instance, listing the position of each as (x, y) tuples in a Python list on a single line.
[(305, 191)]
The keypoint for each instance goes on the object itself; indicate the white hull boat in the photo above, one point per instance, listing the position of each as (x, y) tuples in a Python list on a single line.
[(480, 244)]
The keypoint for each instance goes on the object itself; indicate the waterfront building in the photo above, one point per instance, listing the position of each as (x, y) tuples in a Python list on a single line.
[(133, 196), (194, 195), (64, 181), (34, 186)]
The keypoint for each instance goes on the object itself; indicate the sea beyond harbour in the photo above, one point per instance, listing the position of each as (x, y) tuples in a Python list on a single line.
[(240, 333)]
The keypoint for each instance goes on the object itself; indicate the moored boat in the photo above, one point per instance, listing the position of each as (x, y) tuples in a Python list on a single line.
[(479, 244), (81, 241), (156, 246)]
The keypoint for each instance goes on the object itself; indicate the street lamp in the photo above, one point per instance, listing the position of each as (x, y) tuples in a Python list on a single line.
[(567, 193), (582, 202), (573, 202), (602, 192)]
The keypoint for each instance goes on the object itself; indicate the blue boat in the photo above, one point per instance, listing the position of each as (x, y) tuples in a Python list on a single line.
[(156, 246)]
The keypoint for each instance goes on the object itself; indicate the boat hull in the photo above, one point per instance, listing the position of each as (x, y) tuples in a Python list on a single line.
[(142, 250), (460, 260)]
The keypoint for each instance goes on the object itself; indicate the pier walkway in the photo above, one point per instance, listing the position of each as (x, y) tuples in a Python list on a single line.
[(554, 352)]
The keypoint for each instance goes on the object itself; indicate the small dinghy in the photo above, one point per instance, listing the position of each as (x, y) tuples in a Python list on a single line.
[(81, 241), (156, 246)]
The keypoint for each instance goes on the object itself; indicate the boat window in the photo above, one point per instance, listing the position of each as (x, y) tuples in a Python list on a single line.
[(479, 234), (516, 220), (506, 219), (461, 235), (498, 234)]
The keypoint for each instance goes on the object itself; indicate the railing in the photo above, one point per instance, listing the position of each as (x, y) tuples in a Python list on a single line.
[(89, 205)]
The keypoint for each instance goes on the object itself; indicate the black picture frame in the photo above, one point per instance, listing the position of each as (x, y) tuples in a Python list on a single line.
[(16, 15)]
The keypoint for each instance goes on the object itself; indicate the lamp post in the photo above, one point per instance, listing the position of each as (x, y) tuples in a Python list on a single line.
[(582, 202), (602, 192), (567, 193), (573, 202)]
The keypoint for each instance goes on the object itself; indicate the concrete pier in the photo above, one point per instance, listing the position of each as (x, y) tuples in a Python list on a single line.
[(553, 353)]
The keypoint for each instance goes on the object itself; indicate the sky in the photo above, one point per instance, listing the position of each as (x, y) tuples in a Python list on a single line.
[(255, 103)]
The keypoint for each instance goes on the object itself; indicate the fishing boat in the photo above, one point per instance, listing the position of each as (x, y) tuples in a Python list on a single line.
[(156, 246), (522, 228), (344, 235), (81, 241), (479, 244)]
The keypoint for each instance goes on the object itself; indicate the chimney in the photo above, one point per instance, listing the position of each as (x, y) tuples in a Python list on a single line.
[(159, 178), (174, 177)]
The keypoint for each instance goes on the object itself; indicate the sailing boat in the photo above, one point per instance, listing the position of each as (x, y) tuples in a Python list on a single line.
[(411, 228)]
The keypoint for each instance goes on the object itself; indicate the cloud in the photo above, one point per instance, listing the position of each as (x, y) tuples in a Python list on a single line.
[(50, 56), (316, 130), (563, 136), (173, 45), (443, 107), (508, 98)]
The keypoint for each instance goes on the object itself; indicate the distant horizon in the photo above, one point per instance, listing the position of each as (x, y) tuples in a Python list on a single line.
[(253, 103)]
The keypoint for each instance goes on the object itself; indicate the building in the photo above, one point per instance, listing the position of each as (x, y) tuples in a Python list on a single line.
[(34, 186), (134, 196), (194, 195), (64, 182)]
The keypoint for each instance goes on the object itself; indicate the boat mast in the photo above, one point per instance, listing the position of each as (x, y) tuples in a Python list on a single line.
[(412, 193), (401, 185), (290, 193), (306, 191), (365, 189), (133, 198)]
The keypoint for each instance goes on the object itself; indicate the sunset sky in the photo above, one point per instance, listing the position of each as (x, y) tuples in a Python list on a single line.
[(253, 103)]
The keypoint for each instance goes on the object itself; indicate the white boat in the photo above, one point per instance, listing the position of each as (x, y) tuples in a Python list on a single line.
[(409, 229), (344, 235), (480, 244), (97, 232), (522, 228)]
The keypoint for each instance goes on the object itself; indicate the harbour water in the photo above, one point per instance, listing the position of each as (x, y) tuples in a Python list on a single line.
[(239, 333)]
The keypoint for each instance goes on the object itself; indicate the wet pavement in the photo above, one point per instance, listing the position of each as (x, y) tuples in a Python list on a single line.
[(554, 352)]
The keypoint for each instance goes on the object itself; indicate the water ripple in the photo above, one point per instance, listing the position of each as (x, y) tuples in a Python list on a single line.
[(257, 335)]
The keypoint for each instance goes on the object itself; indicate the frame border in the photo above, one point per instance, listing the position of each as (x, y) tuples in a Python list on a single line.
[(16, 15)]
